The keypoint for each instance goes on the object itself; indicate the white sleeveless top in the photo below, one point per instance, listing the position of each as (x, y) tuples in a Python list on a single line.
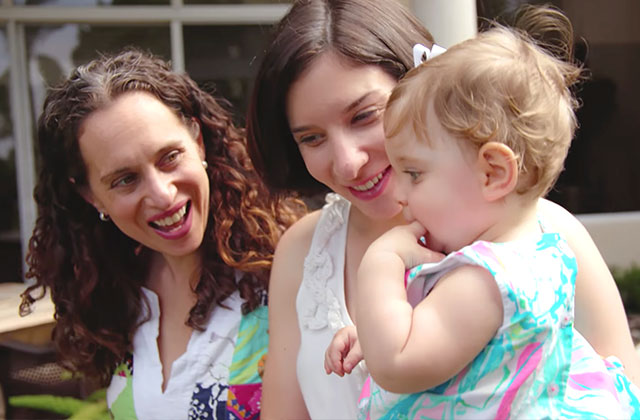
[(322, 311)]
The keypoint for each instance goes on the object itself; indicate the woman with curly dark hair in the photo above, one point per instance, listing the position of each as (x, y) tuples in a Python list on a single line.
[(155, 238)]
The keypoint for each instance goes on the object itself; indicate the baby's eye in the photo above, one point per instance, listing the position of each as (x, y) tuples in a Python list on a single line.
[(413, 175)]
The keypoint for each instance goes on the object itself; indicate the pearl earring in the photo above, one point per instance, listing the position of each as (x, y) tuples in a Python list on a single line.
[(205, 165), (104, 217)]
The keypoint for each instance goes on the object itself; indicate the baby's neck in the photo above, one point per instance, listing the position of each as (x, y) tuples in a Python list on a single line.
[(517, 220)]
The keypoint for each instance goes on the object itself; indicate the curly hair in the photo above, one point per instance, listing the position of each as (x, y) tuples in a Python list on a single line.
[(507, 85), (90, 267)]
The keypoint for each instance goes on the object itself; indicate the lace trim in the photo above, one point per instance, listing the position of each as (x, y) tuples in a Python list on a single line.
[(323, 307)]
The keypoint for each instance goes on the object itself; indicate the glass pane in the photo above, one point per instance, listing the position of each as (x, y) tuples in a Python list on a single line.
[(53, 51), (601, 171), (237, 1), (10, 249), (86, 3), (225, 59)]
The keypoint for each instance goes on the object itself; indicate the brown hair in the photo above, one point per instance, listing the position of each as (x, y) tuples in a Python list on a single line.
[(501, 86), (90, 266), (366, 32)]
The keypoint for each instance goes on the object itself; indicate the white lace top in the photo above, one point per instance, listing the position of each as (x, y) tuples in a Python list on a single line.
[(321, 312)]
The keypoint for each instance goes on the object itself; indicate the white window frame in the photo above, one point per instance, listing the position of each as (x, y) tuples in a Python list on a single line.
[(176, 15), (616, 234)]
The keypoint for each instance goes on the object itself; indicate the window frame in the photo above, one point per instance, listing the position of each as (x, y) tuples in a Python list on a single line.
[(176, 15)]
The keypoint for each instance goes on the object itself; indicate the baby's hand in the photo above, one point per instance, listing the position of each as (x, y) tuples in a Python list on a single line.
[(406, 242), (343, 353)]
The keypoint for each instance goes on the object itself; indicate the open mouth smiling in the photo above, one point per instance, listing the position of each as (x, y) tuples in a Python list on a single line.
[(373, 187), (370, 183), (172, 221)]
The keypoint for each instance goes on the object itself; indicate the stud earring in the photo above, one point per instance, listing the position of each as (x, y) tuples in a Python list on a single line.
[(104, 217), (205, 165)]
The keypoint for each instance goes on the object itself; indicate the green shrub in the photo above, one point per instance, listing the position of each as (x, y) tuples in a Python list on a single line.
[(628, 281), (94, 407)]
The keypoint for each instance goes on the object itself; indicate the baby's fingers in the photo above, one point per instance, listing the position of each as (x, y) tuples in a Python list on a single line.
[(421, 255), (333, 361), (327, 368), (353, 358), (416, 229)]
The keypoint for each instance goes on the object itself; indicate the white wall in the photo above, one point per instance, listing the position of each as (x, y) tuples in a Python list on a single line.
[(617, 235), (449, 21)]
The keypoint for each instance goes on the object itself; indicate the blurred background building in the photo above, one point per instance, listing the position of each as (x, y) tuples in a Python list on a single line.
[(220, 42)]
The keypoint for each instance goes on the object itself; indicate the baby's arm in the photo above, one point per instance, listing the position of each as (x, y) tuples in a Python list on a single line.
[(412, 349), (343, 353)]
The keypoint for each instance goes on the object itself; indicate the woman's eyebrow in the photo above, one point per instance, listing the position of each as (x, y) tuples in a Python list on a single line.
[(300, 129), (126, 168), (106, 179), (347, 109), (356, 102)]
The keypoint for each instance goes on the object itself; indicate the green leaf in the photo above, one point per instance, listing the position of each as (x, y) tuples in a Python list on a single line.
[(66, 406)]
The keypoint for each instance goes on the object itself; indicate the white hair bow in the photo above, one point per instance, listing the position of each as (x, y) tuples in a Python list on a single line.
[(422, 53)]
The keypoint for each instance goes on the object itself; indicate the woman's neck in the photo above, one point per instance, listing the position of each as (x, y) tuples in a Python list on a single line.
[(169, 272), (369, 227), (173, 280)]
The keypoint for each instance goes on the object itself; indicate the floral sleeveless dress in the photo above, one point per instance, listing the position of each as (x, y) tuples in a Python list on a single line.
[(537, 365)]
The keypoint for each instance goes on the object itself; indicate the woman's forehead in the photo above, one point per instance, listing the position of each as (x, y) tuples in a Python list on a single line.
[(336, 84)]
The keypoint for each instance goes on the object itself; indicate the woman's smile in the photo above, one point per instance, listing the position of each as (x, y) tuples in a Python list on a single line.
[(373, 187), (145, 171), (175, 224), (335, 112)]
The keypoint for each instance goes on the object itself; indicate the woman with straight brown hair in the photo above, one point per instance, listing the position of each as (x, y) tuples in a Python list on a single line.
[(315, 124)]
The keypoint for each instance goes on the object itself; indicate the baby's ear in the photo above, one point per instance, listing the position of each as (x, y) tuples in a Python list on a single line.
[(498, 170)]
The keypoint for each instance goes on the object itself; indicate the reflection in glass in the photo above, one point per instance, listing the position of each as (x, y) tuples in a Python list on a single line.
[(601, 171), (53, 51), (236, 1), (10, 251), (225, 59), (89, 3)]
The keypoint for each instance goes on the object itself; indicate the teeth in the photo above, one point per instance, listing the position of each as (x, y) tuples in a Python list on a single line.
[(173, 219), (369, 184)]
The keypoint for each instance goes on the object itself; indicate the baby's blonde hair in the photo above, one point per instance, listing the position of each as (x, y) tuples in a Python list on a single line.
[(500, 87)]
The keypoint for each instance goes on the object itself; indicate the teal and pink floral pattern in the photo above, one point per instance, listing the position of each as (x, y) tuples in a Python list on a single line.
[(537, 365)]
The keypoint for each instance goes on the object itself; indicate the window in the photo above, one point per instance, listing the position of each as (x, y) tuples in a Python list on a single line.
[(217, 41), (10, 249), (602, 173), (225, 59)]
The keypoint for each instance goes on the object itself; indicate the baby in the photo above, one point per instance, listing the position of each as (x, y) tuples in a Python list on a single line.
[(476, 136)]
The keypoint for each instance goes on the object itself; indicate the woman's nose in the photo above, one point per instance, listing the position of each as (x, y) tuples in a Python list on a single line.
[(349, 158), (161, 190)]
